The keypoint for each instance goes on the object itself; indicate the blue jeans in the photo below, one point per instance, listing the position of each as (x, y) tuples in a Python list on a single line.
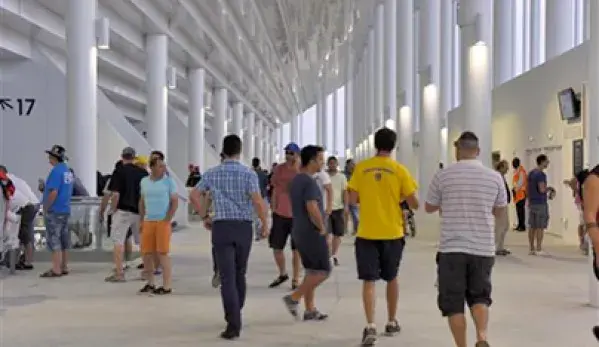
[(58, 236), (353, 211)]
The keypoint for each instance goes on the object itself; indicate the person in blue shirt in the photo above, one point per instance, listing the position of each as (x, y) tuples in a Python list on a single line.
[(56, 202), (538, 208), (158, 205)]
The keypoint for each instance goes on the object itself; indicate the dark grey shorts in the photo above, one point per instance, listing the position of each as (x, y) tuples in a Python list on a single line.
[(463, 278), (538, 216)]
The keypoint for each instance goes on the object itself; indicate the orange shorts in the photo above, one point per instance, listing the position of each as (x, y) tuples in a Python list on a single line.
[(156, 237)]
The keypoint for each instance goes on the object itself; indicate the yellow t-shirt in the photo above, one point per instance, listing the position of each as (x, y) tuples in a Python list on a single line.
[(381, 184)]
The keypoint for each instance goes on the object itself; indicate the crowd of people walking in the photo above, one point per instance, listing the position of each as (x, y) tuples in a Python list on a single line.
[(311, 203)]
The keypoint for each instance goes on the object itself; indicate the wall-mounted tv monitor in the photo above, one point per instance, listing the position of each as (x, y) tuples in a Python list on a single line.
[(569, 104)]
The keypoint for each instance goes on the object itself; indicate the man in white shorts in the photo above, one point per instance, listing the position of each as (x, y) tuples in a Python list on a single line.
[(125, 193)]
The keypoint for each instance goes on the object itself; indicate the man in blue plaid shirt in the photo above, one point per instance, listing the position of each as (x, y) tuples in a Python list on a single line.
[(235, 194)]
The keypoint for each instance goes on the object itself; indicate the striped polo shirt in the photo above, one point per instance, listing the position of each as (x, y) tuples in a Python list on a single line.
[(467, 192)]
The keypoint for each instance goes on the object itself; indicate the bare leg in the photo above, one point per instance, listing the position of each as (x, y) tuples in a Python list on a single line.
[(392, 299), (369, 300), (165, 261), (64, 261), (280, 261), (306, 289), (117, 255), (148, 272), (457, 325), (531, 239), (295, 265), (57, 262), (336, 244), (157, 260), (540, 233), (480, 315)]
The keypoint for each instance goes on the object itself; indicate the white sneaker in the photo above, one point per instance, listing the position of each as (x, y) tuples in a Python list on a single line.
[(532, 253), (541, 253)]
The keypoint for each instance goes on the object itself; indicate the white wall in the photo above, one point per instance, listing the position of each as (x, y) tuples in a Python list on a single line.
[(23, 139), (526, 122)]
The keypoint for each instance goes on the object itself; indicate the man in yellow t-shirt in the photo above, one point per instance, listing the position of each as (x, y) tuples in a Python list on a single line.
[(380, 184)]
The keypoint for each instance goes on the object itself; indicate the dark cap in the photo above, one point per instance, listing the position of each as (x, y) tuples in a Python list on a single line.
[(128, 152), (468, 140), (58, 152)]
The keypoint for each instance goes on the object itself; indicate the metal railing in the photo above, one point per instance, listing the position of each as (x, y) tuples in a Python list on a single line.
[(84, 225)]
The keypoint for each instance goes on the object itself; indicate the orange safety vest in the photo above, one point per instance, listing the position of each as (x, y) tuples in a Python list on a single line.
[(519, 192)]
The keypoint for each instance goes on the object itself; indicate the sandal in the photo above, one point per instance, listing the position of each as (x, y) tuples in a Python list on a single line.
[(65, 272), (114, 278), (162, 291), (50, 274), (294, 284)]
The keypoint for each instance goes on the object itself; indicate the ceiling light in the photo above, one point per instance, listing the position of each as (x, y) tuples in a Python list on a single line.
[(103, 33), (326, 56)]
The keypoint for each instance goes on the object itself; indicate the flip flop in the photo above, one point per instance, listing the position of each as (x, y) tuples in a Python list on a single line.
[(65, 272), (50, 274)]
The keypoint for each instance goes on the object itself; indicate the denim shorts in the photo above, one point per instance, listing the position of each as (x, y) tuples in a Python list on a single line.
[(58, 236)]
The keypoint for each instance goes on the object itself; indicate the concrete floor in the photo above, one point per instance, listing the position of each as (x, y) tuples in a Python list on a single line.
[(538, 302)]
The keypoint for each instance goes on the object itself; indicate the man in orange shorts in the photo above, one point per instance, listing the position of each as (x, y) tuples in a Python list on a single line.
[(158, 205)]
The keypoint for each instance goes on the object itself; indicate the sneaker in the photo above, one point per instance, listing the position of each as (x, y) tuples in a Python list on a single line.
[(278, 281), (532, 253), (541, 253), (147, 289), (140, 266), (315, 316), (294, 285), (368, 337), (392, 328), (335, 261), (215, 280), (291, 305)]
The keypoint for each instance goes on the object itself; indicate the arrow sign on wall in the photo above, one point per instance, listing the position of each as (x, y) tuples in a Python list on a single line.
[(5, 104), (24, 105)]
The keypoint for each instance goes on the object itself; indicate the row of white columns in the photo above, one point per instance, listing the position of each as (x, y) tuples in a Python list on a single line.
[(82, 105), (387, 88)]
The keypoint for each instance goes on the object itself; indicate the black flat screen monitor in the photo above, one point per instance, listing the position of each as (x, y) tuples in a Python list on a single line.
[(569, 104)]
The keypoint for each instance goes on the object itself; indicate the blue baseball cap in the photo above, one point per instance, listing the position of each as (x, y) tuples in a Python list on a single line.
[(292, 147)]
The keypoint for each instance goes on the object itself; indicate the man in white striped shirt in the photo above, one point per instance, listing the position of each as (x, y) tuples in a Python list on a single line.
[(468, 197)]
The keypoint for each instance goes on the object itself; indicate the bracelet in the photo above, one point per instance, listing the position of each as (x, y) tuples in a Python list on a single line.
[(591, 225)]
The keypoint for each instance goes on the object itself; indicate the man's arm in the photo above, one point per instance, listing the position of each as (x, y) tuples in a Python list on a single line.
[(52, 185), (408, 190), (311, 194), (501, 199), (274, 185), (174, 201), (433, 196), (253, 187), (542, 185), (199, 200), (590, 209), (328, 188), (142, 208)]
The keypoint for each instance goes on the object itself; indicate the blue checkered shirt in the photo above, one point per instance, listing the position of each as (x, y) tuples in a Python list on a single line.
[(230, 185)]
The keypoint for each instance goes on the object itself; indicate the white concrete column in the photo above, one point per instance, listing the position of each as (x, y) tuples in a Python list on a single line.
[(537, 41), (248, 137), (371, 112), (478, 67), (334, 125), (324, 115), (406, 73), (280, 144), (219, 128), (82, 75), (266, 146), (157, 100), (390, 51), (237, 122), (318, 112), (293, 131), (265, 140), (503, 49), (429, 74), (379, 66), (560, 28), (350, 103), (197, 121), (258, 142)]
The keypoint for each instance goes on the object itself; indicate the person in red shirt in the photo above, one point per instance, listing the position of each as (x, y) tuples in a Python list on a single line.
[(282, 220)]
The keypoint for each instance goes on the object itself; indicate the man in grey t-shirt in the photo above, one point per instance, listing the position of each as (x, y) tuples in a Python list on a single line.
[(309, 233)]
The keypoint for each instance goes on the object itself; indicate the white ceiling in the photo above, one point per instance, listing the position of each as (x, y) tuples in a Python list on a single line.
[(268, 53)]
